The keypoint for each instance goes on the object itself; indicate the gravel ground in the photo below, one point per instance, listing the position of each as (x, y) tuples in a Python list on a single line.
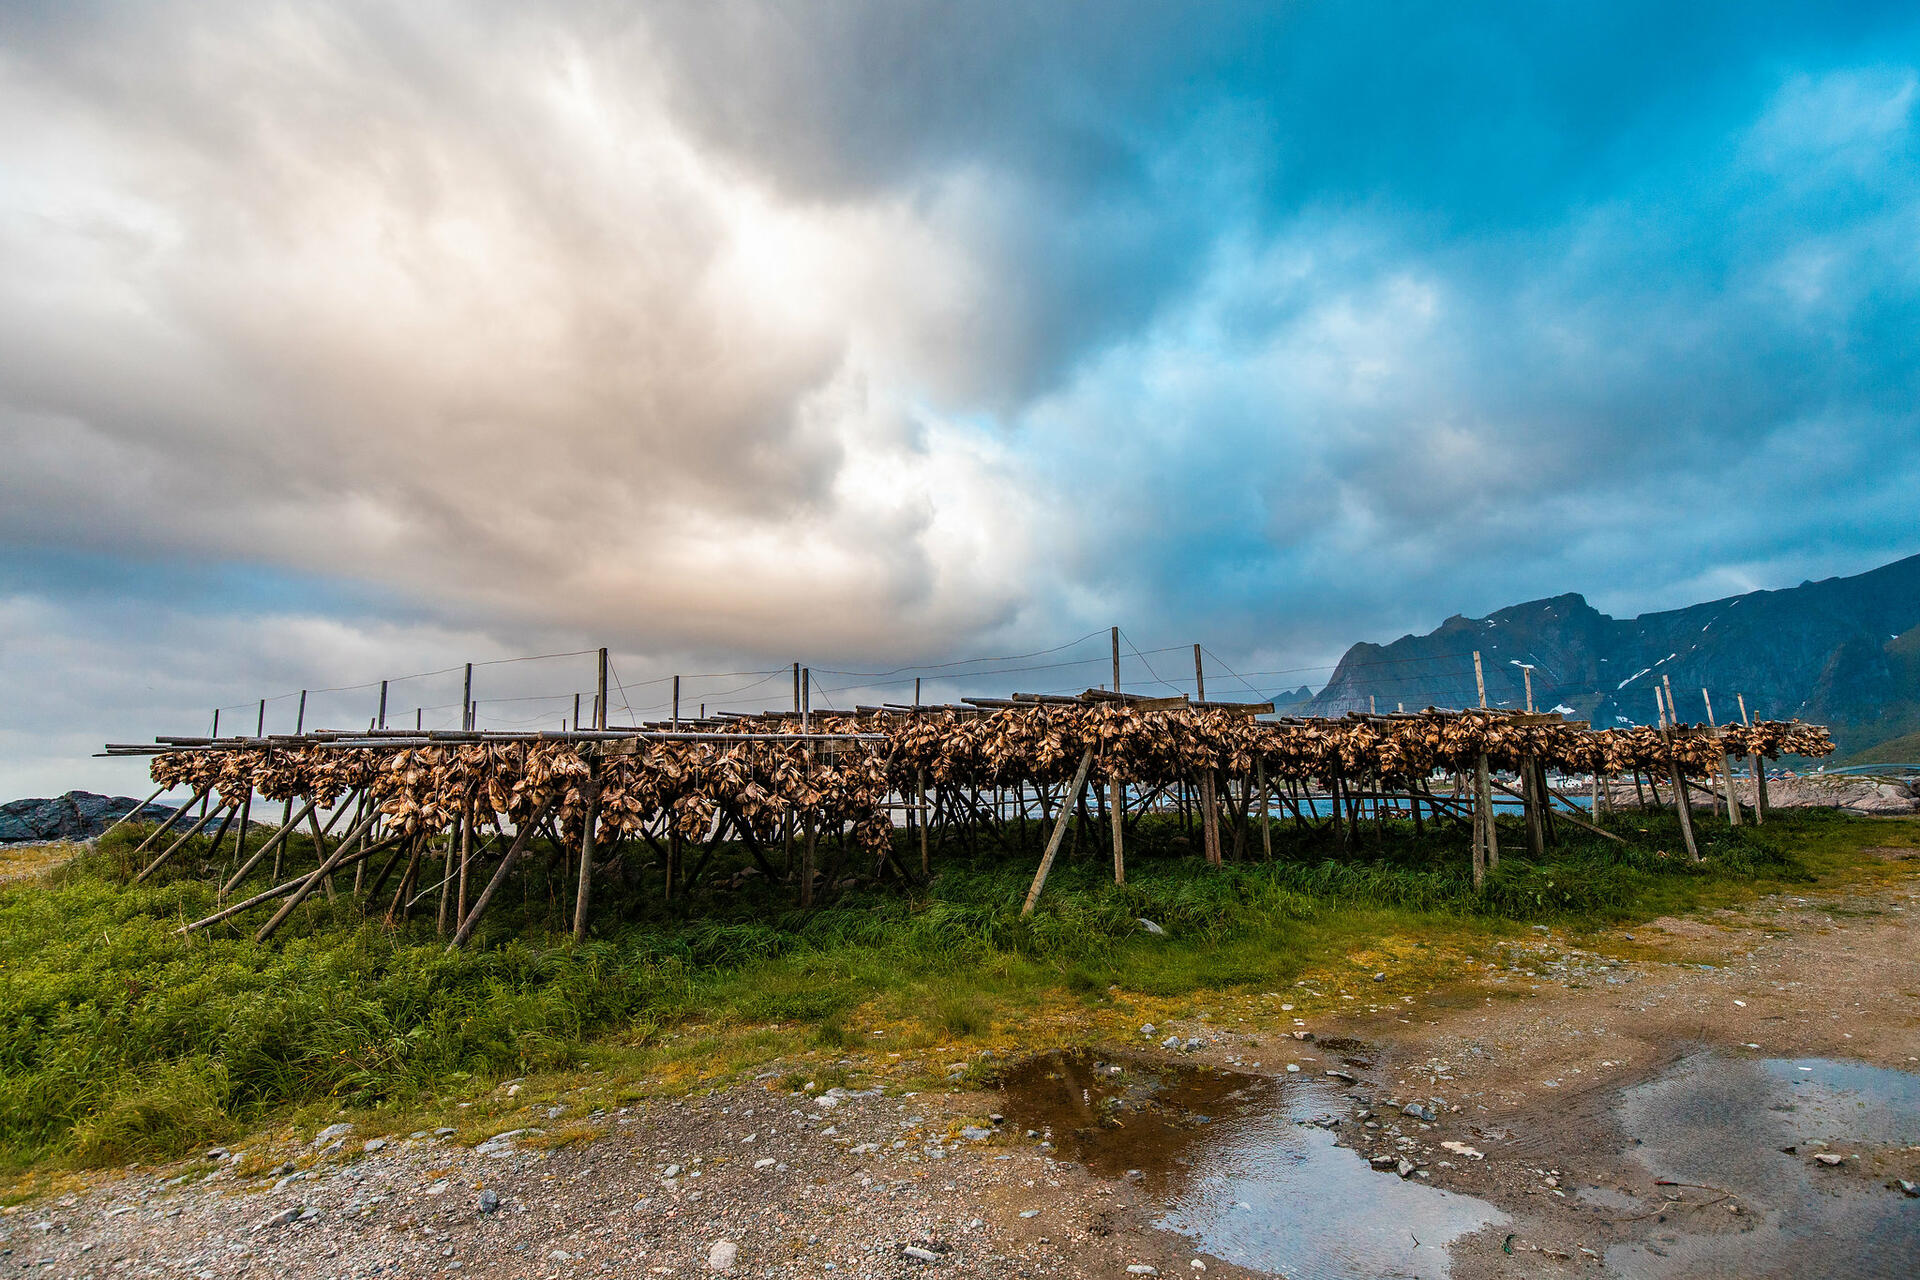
[(1520, 1065)]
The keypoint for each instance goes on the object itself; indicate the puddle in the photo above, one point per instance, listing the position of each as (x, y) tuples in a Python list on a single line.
[(1723, 1123), (1237, 1165)]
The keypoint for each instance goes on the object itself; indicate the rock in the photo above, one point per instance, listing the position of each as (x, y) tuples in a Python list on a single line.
[(373, 1144), (1142, 1269), (489, 1201), (280, 1219), (1344, 1076), (915, 1252), (974, 1133), (672, 1170), (1381, 1162), (77, 815), (332, 1133), (217, 1153), (765, 1162), (1403, 1167), (1828, 1158), (1379, 977), (501, 1145), (1418, 1112), (1193, 1042), (1029, 1213), (1462, 1149), (723, 1255), (1146, 1028), (1910, 1188), (1171, 1042), (1152, 928)]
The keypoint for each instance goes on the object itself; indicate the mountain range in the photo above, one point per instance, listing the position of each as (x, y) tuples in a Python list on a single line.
[(1844, 652)]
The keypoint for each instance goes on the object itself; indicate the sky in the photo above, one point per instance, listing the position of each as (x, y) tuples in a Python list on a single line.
[(350, 341)]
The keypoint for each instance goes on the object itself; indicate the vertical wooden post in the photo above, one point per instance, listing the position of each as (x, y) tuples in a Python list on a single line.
[(584, 893), (1266, 806), (1199, 677), (1210, 817), (576, 713), (676, 702), (1116, 809), (1726, 765), (1759, 771), (1531, 800), (1116, 659), (1067, 805), (600, 691), (381, 718), (1480, 782), (466, 855), (806, 697), (466, 702), (1483, 776), (1682, 802), (1480, 679)]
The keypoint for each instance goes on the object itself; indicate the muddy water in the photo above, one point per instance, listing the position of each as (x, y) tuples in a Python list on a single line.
[(1748, 1130), (1237, 1163)]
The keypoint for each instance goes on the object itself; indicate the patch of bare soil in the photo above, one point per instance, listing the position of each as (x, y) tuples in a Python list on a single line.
[(1515, 1087)]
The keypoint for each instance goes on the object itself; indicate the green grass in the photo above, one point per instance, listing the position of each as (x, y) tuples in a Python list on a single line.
[(120, 1039)]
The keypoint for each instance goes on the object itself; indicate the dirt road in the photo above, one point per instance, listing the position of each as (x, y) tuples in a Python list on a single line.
[(1733, 1094)]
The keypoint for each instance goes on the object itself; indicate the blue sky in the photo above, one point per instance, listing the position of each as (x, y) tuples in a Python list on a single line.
[(339, 342)]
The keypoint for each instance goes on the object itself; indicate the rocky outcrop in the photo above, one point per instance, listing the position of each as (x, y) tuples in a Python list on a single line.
[(76, 815)]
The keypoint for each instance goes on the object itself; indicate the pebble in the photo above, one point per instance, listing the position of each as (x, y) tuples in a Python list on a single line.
[(1029, 1213), (1142, 1269), (330, 1133), (723, 1255), (922, 1255), (489, 1201), (1828, 1157)]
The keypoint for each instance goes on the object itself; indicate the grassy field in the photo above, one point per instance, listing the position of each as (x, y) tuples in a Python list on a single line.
[(121, 1040)]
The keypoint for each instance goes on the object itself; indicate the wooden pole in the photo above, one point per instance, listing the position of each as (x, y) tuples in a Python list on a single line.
[(1480, 814), (1526, 673), (277, 891), (154, 795), (1486, 804), (1266, 807), (500, 874), (466, 700), (1726, 767), (676, 702), (583, 894), (1116, 659), (271, 846), (1480, 679), (1682, 802), (1199, 677), (320, 873), (466, 858), (1210, 817), (206, 816), (382, 717), (600, 691), (1759, 771), (1067, 806), (172, 818)]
